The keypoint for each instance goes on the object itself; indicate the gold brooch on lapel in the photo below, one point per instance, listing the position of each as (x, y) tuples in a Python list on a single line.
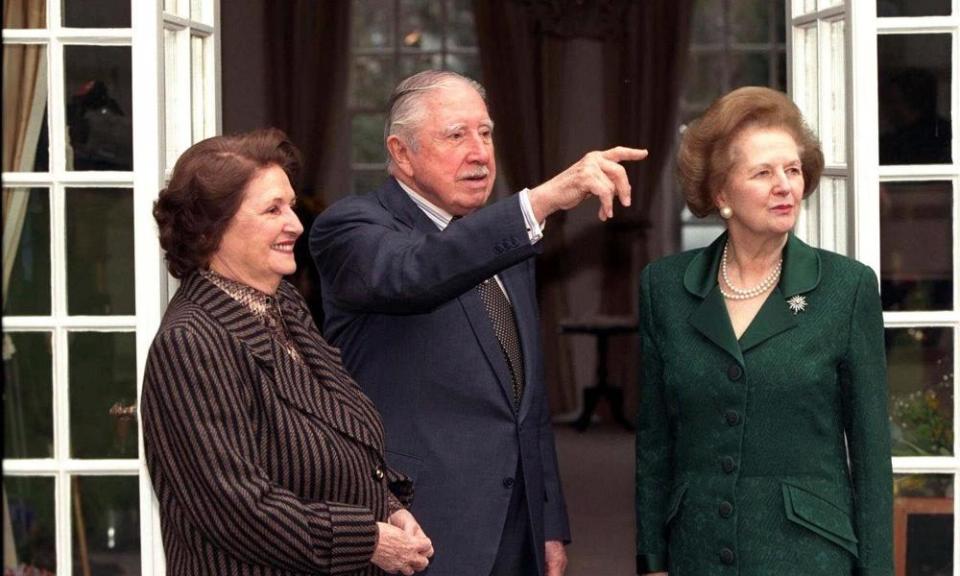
[(797, 304)]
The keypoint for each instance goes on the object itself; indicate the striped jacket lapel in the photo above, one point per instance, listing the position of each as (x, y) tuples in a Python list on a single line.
[(321, 387)]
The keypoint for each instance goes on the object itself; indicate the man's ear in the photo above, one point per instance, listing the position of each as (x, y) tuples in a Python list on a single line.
[(400, 155)]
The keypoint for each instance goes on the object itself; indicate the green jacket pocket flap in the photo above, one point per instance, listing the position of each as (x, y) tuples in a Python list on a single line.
[(820, 516), (676, 497)]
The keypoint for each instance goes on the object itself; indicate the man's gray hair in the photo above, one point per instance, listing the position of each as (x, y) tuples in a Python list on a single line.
[(406, 109)]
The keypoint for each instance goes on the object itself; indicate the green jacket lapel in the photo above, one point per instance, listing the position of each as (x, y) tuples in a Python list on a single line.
[(801, 274), (710, 318)]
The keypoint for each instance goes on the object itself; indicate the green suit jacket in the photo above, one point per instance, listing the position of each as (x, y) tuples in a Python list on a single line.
[(769, 455)]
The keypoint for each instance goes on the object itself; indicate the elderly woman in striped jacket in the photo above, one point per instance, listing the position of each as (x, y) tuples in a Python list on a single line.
[(265, 456)]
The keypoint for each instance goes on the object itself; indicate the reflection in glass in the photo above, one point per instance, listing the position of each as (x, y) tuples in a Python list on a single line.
[(25, 139), (916, 245), (920, 374), (96, 13), (421, 25), (106, 525), (372, 22), (901, 8), (367, 138), (923, 524), (98, 89), (30, 502), (461, 32), (914, 76), (100, 251), (28, 395), (26, 221), (371, 82), (102, 391)]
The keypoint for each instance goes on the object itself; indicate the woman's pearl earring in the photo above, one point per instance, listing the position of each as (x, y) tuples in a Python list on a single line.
[(726, 212)]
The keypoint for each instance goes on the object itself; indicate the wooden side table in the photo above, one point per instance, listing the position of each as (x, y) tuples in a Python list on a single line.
[(602, 328)]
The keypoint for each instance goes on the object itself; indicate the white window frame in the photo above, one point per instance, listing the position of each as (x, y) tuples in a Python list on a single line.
[(855, 218), (152, 289)]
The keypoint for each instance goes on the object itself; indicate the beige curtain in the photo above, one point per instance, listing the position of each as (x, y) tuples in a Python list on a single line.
[(24, 101)]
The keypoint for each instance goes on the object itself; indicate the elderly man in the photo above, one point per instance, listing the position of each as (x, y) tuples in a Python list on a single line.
[(430, 295)]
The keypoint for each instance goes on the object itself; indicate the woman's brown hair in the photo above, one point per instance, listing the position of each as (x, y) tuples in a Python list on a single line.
[(707, 156), (206, 189)]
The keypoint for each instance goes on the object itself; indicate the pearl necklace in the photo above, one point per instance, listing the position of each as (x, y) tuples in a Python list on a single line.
[(747, 294)]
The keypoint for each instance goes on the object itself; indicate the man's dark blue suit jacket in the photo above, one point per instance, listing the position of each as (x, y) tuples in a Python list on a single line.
[(399, 300)]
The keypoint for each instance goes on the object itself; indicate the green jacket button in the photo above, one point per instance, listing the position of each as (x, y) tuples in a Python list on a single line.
[(734, 372)]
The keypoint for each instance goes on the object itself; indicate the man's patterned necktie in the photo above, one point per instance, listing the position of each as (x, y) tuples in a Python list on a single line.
[(505, 325)]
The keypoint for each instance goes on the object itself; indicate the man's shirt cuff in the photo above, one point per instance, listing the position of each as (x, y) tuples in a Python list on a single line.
[(534, 228)]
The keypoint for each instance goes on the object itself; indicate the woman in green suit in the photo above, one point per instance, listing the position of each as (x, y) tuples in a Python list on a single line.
[(763, 447)]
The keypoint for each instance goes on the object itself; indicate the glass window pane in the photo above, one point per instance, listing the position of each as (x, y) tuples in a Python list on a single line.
[(175, 105), (100, 251), (702, 87), (25, 14), (421, 24), (832, 218), (26, 274), (916, 245), (410, 65), (834, 125), (803, 6), (709, 22), (103, 393), (28, 395), (201, 11), (96, 13), (914, 76), (106, 527), (806, 73), (371, 82), (920, 375), (30, 501), (699, 236), (750, 69), (923, 524), (25, 140), (750, 20), (465, 64), (913, 8), (461, 32), (372, 24), (367, 138), (830, 3), (98, 88), (198, 86), (178, 7)]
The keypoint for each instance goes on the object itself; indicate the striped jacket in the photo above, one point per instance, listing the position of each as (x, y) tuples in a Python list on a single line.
[(261, 464)]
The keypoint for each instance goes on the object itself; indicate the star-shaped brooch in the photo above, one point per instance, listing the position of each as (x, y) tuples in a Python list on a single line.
[(797, 304)]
